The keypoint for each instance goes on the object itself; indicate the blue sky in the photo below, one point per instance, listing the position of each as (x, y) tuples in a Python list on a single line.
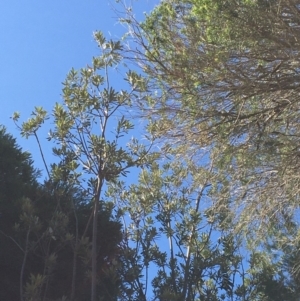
[(40, 42)]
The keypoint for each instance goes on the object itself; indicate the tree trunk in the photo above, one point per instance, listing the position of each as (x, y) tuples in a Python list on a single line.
[(74, 272), (24, 263), (94, 241)]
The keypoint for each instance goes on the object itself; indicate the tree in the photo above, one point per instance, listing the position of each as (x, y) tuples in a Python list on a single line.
[(227, 80), (170, 249), (18, 180), (219, 81), (16, 170), (176, 248), (90, 152)]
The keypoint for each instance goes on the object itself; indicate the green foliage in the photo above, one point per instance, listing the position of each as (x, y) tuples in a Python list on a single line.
[(23, 175), (218, 94), (32, 289), (40, 236), (89, 132), (221, 98), (169, 237), (222, 84), (18, 182)]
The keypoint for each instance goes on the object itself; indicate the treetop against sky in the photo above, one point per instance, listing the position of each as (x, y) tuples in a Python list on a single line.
[(211, 215), (41, 42)]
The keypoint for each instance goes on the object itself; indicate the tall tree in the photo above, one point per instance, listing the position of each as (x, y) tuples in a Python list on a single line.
[(222, 76), (226, 79), (88, 128), (18, 180)]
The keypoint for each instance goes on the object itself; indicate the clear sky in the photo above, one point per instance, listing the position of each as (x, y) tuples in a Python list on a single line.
[(40, 41)]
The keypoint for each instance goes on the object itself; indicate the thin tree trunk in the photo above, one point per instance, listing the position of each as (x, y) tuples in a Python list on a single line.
[(74, 272), (185, 290), (23, 264), (94, 241), (94, 252)]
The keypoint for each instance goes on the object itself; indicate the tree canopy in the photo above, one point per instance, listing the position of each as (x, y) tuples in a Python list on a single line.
[(212, 209), (227, 77)]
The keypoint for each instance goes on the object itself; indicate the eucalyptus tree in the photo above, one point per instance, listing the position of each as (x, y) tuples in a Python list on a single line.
[(89, 131)]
